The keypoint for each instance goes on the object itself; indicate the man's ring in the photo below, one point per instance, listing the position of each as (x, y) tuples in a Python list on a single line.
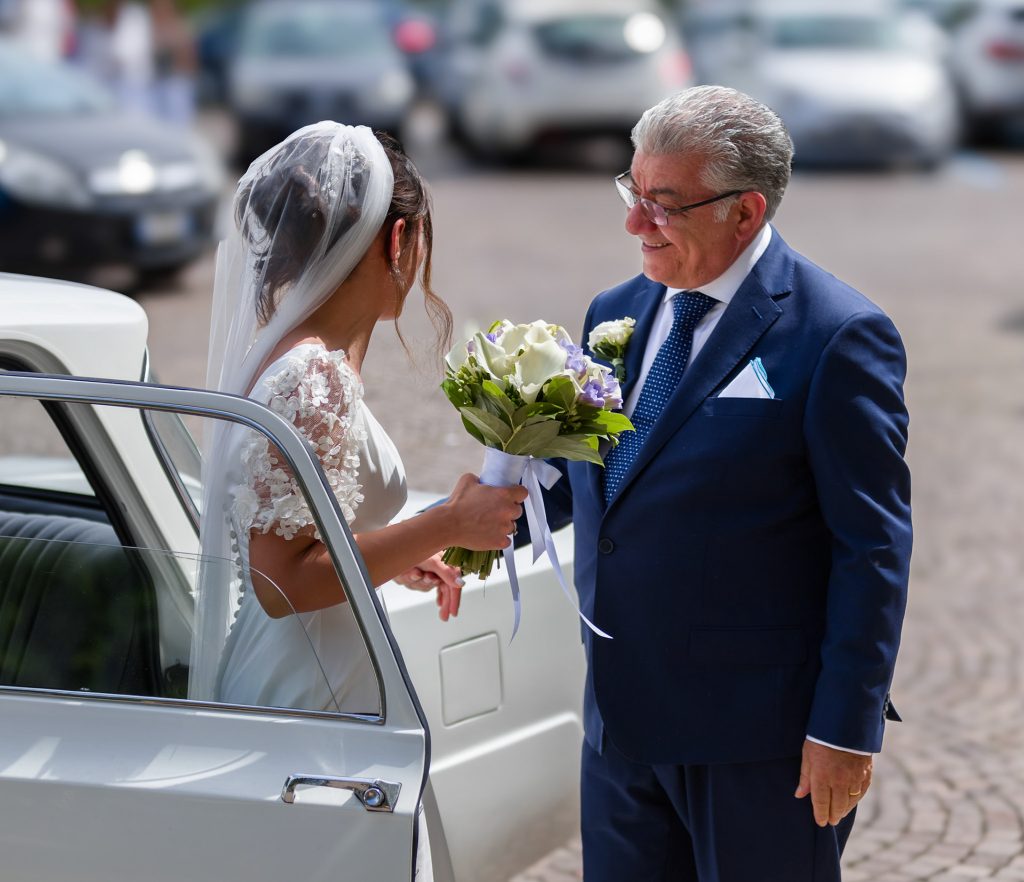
[(855, 793)]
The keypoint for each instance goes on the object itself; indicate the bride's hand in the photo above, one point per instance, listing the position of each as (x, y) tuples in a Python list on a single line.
[(483, 517), (435, 573)]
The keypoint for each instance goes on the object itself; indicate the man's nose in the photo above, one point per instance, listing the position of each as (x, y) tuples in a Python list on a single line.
[(637, 221)]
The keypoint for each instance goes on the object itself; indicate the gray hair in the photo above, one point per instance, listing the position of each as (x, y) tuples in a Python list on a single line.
[(745, 144)]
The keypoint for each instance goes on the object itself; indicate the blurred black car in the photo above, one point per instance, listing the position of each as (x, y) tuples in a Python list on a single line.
[(302, 61), (83, 184)]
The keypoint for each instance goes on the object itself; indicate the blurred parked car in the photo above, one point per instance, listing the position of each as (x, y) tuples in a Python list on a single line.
[(854, 83), (514, 73), (134, 780), (986, 57), (301, 61), (84, 184)]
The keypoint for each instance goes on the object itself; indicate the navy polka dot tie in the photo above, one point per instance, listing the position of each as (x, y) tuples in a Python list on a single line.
[(688, 307)]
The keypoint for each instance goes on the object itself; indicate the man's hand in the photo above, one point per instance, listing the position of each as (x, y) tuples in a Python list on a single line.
[(435, 573), (835, 780)]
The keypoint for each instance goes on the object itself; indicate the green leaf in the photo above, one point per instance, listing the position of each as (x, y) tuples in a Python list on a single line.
[(492, 391), (531, 438), (456, 393), (561, 392), (494, 430), (569, 447), (613, 422), (475, 432)]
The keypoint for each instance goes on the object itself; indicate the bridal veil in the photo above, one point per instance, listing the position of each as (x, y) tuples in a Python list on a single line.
[(304, 213)]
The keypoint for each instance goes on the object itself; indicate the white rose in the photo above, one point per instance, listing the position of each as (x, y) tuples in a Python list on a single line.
[(617, 333)]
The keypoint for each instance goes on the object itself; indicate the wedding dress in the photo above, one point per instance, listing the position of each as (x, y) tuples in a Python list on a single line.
[(270, 662)]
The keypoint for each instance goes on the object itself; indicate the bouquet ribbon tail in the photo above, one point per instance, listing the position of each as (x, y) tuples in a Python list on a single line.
[(537, 474)]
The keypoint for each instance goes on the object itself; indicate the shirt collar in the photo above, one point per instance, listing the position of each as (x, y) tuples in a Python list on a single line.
[(724, 288)]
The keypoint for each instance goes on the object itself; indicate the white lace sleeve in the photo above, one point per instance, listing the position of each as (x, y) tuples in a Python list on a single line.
[(318, 394)]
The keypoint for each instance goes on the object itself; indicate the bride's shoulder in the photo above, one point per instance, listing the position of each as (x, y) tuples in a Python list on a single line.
[(312, 370)]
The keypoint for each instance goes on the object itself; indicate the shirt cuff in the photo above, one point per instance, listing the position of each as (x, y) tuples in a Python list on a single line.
[(837, 747)]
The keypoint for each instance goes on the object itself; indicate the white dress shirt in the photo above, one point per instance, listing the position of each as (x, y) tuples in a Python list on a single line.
[(722, 289)]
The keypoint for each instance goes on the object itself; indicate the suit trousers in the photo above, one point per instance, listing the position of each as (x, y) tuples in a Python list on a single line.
[(729, 822)]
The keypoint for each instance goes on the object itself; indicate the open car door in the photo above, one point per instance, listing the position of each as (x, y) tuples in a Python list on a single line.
[(108, 771)]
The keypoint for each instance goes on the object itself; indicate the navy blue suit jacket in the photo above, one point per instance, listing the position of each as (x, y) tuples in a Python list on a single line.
[(752, 567)]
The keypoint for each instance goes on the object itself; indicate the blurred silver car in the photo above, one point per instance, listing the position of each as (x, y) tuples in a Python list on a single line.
[(986, 56), (514, 73), (853, 83), (301, 61)]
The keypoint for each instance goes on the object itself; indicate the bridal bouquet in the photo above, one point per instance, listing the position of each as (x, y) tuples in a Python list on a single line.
[(525, 392)]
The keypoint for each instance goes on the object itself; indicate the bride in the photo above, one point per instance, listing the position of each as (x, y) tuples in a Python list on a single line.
[(331, 228)]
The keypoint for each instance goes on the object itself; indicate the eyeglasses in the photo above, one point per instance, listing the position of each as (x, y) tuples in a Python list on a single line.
[(655, 213)]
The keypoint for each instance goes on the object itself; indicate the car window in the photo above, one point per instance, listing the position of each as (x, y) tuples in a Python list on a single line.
[(316, 30), (35, 457), (601, 37), (86, 607), (31, 87), (832, 32)]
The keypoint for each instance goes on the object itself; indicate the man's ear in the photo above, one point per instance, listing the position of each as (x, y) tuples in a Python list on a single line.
[(395, 241), (752, 207)]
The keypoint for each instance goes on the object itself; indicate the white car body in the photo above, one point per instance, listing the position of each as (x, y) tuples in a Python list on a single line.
[(506, 91), (100, 787), (841, 104), (987, 57)]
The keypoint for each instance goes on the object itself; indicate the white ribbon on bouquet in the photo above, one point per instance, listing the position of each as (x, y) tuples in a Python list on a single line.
[(502, 469)]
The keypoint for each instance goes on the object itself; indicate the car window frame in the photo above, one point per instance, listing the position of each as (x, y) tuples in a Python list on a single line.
[(396, 692)]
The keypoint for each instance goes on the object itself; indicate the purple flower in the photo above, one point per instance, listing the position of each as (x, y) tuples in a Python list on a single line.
[(493, 336), (592, 393), (471, 347), (575, 361), (611, 392)]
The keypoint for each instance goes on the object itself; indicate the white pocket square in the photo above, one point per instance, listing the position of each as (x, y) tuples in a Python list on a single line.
[(751, 382)]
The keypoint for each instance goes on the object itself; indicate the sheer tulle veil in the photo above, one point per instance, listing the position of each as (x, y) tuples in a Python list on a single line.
[(305, 213)]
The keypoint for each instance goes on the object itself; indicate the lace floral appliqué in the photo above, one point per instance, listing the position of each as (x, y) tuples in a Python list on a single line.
[(318, 394)]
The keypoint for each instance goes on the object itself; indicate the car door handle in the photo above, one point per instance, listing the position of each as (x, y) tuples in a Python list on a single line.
[(374, 794)]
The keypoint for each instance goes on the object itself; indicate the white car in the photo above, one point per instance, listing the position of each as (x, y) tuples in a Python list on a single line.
[(109, 772), (515, 73), (854, 83), (986, 56)]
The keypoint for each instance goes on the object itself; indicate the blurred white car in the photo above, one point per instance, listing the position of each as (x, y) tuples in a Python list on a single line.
[(129, 779), (854, 83), (986, 56), (514, 73)]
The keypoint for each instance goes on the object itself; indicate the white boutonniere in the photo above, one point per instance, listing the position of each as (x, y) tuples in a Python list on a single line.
[(609, 340)]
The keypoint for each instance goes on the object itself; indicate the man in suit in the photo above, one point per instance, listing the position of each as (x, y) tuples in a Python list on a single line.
[(748, 548)]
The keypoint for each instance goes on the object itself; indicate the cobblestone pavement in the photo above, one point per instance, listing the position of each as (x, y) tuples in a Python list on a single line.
[(947, 804)]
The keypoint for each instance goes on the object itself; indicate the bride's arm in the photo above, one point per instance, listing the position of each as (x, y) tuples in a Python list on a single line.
[(302, 577)]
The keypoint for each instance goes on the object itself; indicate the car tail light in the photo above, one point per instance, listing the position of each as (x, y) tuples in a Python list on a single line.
[(414, 35), (1005, 50), (676, 69)]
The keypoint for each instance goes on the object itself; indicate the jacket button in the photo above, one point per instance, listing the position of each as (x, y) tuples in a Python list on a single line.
[(606, 546)]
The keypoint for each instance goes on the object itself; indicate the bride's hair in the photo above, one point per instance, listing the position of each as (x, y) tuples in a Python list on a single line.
[(283, 215), (411, 201)]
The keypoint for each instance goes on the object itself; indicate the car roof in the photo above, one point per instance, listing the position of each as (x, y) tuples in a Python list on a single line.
[(90, 331)]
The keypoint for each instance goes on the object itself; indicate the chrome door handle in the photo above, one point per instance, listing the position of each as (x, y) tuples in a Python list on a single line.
[(374, 794)]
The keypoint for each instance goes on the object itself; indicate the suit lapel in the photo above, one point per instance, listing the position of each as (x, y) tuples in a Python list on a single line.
[(750, 314), (644, 308), (642, 305)]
